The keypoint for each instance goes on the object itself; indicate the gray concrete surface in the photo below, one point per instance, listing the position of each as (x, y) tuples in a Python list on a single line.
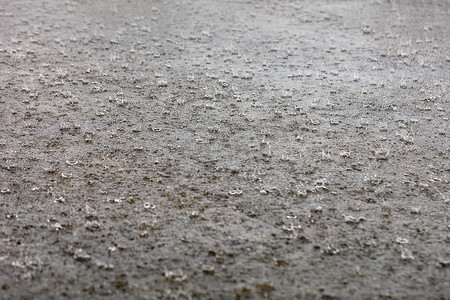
[(224, 149)]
